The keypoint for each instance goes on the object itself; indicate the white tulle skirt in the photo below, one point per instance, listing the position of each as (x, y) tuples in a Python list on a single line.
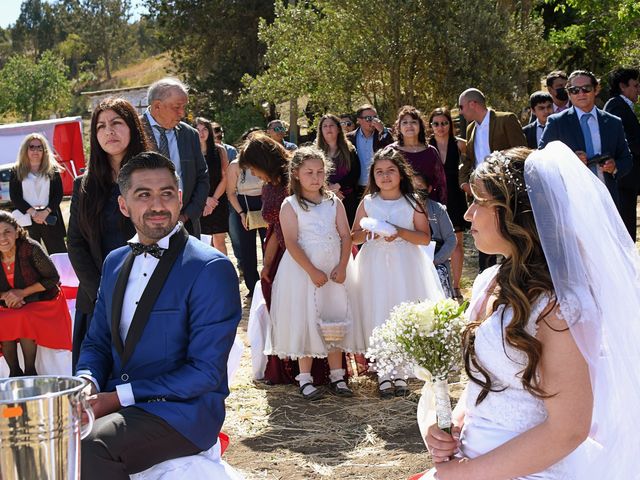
[(387, 274)]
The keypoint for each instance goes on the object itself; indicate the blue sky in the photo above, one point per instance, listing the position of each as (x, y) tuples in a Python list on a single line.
[(10, 11)]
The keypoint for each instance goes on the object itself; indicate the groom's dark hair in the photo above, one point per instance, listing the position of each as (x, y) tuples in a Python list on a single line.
[(144, 161)]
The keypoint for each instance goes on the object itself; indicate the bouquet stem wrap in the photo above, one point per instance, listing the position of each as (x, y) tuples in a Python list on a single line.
[(434, 404)]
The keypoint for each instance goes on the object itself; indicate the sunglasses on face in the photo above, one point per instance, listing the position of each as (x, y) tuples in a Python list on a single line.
[(217, 130), (574, 90), (346, 123), (36, 148), (279, 129), (440, 124), (369, 118)]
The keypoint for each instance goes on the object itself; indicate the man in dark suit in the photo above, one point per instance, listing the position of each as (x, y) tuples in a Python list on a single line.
[(370, 136), (597, 137), (180, 143), (624, 89), (541, 105), (487, 131), (163, 326)]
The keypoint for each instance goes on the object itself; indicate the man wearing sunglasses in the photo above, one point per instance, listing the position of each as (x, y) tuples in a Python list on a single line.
[(277, 130), (597, 137), (346, 123), (370, 136)]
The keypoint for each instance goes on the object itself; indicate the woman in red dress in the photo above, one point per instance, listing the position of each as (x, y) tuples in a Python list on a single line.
[(33, 310)]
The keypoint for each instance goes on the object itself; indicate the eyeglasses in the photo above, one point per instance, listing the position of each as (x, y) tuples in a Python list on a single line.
[(369, 118), (279, 129), (346, 123), (574, 90), (440, 124), (36, 148)]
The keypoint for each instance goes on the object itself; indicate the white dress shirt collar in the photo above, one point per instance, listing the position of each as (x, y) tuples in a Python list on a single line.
[(164, 241), (627, 101)]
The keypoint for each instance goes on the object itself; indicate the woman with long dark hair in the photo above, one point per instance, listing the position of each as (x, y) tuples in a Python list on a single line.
[(343, 181), (452, 150), (551, 394), (96, 225), (215, 217), (35, 188)]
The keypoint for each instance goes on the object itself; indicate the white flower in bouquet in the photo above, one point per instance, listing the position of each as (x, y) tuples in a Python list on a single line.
[(427, 336), (421, 334)]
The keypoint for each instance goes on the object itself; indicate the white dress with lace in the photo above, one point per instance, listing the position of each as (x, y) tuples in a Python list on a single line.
[(297, 306), (505, 414), (389, 273)]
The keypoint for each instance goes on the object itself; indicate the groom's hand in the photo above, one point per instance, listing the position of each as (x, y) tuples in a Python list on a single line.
[(442, 445), (104, 403)]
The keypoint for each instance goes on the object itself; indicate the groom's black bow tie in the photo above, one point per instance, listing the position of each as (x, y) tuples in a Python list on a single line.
[(139, 249)]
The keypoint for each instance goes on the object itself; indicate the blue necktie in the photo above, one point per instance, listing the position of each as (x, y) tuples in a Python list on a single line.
[(588, 143), (164, 141)]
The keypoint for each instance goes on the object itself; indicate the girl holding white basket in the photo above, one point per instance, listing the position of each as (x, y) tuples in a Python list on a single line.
[(311, 315)]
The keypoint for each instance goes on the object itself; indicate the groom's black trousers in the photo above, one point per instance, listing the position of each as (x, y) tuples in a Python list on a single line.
[(130, 441)]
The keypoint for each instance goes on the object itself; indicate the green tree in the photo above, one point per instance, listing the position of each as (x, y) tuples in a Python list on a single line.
[(393, 52), (33, 88), (213, 43), (106, 29), (34, 31), (593, 34)]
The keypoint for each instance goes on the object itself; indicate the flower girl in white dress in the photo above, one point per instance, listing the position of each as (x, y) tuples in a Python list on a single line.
[(311, 315), (392, 269), (552, 347)]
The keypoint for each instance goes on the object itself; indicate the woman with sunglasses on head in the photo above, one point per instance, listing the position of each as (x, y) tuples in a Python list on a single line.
[(343, 181), (96, 225), (422, 157), (452, 150), (35, 188)]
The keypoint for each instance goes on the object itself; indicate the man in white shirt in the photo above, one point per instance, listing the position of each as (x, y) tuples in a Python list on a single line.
[(157, 348), (487, 131)]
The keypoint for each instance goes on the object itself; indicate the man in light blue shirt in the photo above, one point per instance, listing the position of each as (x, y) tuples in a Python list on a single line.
[(370, 136)]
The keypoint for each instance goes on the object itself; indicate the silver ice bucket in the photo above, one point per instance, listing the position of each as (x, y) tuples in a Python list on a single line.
[(40, 427)]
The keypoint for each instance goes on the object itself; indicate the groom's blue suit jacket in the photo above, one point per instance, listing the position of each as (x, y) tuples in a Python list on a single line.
[(175, 354)]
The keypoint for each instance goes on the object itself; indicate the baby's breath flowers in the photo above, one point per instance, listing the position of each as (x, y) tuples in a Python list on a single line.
[(426, 336)]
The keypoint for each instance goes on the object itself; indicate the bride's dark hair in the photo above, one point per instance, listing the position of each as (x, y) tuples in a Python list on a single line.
[(522, 278)]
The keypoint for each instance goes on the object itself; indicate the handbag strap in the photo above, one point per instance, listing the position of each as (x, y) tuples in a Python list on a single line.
[(246, 202)]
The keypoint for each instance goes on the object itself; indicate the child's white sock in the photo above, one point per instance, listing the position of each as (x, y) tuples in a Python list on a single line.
[(336, 375), (304, 378)]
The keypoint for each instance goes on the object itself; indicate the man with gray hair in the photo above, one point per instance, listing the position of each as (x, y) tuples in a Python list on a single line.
[(179, 142), (487, 131)]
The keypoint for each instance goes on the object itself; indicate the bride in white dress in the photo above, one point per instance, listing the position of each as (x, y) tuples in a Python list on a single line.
[(553, 344)]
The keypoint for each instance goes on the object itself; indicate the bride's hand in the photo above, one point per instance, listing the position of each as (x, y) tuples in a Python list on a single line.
[(450, 470), (442, 445)]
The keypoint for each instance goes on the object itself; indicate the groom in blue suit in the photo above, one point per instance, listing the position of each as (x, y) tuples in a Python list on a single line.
[(164, 323), (591, 132)]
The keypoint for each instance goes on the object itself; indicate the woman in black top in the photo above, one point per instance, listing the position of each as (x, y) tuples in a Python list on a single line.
[(96, 226), (215, 217), (452, 150), (35, 188), (343, 180)]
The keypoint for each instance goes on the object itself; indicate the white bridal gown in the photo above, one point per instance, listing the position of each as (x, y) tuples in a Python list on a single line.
[(504, 415)]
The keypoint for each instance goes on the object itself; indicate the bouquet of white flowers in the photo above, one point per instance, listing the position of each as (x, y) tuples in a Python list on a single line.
[(427, 336)]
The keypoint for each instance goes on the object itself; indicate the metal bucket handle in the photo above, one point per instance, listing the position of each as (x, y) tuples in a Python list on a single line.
[(84, 404)]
